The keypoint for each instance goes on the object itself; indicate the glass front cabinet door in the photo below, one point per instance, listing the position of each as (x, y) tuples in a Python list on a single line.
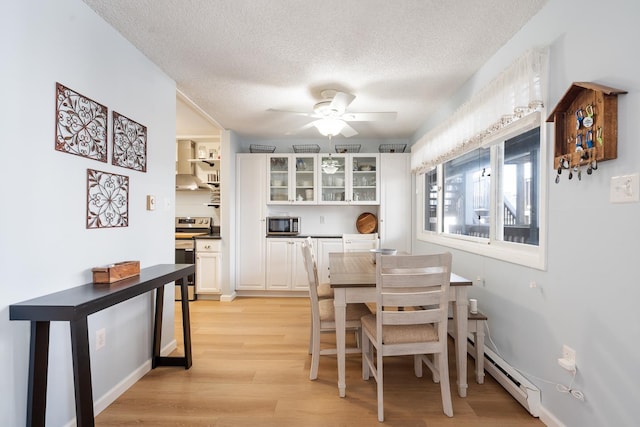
[(354, 181), (292, 179)]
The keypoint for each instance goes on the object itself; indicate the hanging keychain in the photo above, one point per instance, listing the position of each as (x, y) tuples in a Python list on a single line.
[(589, 148), (579, 118), (588, 120), (579, 142), (599, 135)]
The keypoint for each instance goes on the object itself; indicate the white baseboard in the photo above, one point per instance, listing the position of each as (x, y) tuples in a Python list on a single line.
[(549, 419), (167, 349), (109, 397), (228, 298)]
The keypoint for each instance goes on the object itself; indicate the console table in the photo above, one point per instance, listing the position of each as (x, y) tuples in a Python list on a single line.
[(74, 305)]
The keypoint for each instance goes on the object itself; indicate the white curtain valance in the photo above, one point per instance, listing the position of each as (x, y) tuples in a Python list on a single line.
[(516, 92)]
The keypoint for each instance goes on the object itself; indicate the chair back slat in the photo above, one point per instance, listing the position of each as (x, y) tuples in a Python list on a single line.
[(360, 242), (411, 317), (410, 298), (311, 268)]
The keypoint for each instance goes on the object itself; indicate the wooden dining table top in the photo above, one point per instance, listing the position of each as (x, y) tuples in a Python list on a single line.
[(357, 269)]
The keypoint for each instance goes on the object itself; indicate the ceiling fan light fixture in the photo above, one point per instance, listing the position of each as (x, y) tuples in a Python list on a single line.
[(330, 166), (329, 126)]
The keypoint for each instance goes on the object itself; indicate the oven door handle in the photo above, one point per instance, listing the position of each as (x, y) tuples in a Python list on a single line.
[(188, 250)]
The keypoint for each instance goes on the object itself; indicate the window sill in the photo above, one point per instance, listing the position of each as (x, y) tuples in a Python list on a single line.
[(516, 253)]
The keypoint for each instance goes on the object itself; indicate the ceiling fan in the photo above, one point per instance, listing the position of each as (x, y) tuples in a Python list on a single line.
[(331, 114)]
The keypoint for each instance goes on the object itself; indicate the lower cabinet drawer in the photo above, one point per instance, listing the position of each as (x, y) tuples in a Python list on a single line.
[(208, 245)]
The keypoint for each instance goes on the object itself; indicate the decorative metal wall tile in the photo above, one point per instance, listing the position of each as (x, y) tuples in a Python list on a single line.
[(107, 200), (129, 143), (81, 125)]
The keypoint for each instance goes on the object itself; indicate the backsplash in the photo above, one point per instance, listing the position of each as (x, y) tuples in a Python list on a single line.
[(194, 203), (337, 219)]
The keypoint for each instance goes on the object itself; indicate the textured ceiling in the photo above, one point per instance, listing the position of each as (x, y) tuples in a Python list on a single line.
[(236, 59)]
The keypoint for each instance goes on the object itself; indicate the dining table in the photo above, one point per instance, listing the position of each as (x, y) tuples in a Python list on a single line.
[(352, 276)]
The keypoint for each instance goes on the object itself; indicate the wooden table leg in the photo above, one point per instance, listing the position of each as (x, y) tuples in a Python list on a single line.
[(186, 324), (460, 319), (157, 327), (339, 302), (157, 359), (82, 372), (38, 371)]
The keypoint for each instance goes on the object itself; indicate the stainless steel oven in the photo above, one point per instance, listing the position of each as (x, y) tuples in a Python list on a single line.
[(186, 228)]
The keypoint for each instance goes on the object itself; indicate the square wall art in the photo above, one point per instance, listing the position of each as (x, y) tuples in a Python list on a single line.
[(107, 200), (129, 143), (81, 125)]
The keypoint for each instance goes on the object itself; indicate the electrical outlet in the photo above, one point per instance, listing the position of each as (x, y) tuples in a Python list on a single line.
[(101, 338), (624, 189), (321, 219)]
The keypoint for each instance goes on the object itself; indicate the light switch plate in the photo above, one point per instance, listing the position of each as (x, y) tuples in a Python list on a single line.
[(625, 189), (151, 202)]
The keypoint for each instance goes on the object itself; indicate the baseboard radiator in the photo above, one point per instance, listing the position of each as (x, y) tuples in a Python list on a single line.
[(513, 381)]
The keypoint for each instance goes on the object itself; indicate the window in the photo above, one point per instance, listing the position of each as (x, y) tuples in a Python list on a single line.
[(520, 187), (467, 188), (431, 200), (489, 200)]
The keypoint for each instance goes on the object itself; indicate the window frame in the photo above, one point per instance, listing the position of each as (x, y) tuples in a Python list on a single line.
[(517, 253)]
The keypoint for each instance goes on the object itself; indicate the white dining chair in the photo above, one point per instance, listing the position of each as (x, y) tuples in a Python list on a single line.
[(360, 242), (422, 283), (324, 289), (323, 315)]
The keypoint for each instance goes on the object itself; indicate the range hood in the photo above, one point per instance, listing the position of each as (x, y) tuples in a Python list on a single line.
[(186, 178)]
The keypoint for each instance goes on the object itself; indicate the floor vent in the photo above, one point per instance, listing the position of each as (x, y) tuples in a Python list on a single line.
[(513, 381)]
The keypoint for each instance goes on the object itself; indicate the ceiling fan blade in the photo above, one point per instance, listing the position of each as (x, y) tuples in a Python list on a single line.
[(341, 101), (295, 113), (347, 131), (369, 117), (301, 128)]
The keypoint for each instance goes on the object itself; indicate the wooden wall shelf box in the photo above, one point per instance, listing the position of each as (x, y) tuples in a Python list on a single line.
[(604, 129), (115, 272)]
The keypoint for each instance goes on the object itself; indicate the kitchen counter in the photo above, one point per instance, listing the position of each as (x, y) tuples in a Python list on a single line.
[(208, 236)]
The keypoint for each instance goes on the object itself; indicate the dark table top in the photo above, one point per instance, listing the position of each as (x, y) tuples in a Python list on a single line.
[(80, 301)]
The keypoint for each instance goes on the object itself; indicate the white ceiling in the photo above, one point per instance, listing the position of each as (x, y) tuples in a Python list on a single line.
[(236, 59)]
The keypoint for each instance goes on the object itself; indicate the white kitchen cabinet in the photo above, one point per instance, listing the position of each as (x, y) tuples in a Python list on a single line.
[(356, 182), (325, 246), (285, 265), (208, 266), (292, 179), (394, 218), (251, 177)]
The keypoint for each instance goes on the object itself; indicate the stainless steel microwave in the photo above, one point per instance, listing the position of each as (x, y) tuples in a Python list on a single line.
[(283, 225)]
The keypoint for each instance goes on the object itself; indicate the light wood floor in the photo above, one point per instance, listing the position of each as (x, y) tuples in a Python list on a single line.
[(251, 368)]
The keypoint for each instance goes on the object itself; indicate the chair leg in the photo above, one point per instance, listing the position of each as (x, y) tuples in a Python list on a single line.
[(445, 390), (417, 365), (379, 379), (436, 372), (315, 353), (366, 354)]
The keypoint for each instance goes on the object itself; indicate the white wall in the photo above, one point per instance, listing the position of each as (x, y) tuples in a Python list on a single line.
[(44, 244), (587, 298)]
